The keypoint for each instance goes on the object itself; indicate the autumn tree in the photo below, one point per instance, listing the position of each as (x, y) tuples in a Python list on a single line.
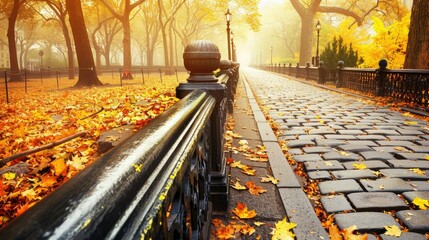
[(167, 12), (417, 55), (59, 9), (122, 11), (358, 10), (12, 9), (152, 27), (87, 71)]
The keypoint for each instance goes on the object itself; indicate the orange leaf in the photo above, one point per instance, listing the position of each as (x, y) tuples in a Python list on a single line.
[(253, 189), (242, 212), (58, 166), (48, 180), (269, 178), (226, 232)]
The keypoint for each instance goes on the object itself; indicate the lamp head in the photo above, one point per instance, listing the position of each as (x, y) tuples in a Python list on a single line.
[(228, 16)]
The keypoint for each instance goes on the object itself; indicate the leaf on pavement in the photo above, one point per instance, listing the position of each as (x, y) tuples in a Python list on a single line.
[(359, 166), (238, 186), (283, 230), (249, 171), (253, 189), (393, 231), (242, 212), (418, 171), (269, 178), (58, 166), (423, 204)]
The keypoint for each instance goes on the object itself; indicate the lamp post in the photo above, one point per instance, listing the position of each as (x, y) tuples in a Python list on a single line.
[(232, 47), (318, 27), (228, 17), (271, 55)]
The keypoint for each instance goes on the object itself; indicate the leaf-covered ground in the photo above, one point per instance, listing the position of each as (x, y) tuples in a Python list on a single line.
[(44, 116)]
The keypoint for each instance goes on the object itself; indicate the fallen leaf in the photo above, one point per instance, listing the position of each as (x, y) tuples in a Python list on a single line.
[(393, 231), (253, 189), (359, 166), (423, 204), (248, 171), (238, 186), (9, 175), (269, 178), (242, 212), (418, 171), (243, 142), (328, 163), (58, 166), (282, 231), (342, 153), (258, 224), (410, 123), (427, 157)]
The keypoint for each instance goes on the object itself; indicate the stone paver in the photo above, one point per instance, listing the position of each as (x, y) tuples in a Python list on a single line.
[(409, 164), (335, 203), (339, 186), (415, 220), (354, 174), (405, 173), (341, 156), (323, 165), (396, 185), (365, 221), (404, 236), (372, 164), (410, 196), (370, 201)]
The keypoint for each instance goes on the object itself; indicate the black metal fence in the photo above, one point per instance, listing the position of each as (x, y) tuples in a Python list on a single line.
[(405, 85), (161, 183)]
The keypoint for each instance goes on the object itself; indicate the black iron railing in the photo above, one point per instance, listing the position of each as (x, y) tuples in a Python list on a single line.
[(161, 183), (406, 85)]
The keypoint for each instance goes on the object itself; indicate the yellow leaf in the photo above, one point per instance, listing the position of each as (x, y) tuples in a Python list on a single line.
[(427, 157), (418, 171), (9, 175), (423, 204), (342, 153), (410, 123), (359, 166), (249, 171), (242, 212), (258, 224), (283, 230), (138, 167), (269, 178), (393, 231), (238, 186), (328, 163), (243, 142)]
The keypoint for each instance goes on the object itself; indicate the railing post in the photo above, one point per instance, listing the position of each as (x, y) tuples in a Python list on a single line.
[(307, 72), (297, 70), (201, 58), (381, 77), (339, 75), (290, 69), (321, 77)]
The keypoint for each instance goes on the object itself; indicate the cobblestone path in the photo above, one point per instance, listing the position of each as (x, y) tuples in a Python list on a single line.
[(367, 159)]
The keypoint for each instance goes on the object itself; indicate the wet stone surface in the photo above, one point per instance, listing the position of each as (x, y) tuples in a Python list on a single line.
[(328, 132)]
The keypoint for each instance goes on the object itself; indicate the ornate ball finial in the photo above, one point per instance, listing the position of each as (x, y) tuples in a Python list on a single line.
[(382, 63), (341, 63), (201, 58)]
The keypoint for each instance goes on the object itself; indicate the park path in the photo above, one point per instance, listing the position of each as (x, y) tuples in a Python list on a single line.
[(368, 161)]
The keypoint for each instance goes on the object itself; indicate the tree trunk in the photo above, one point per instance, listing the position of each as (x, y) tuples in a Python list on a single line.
[(87, 72), (417, 56), (306, 38), (13, 55), (127, 47), (70, 55), (164, 36)]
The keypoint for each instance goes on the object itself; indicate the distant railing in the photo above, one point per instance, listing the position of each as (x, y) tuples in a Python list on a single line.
[(405, 85), (162, 182)]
